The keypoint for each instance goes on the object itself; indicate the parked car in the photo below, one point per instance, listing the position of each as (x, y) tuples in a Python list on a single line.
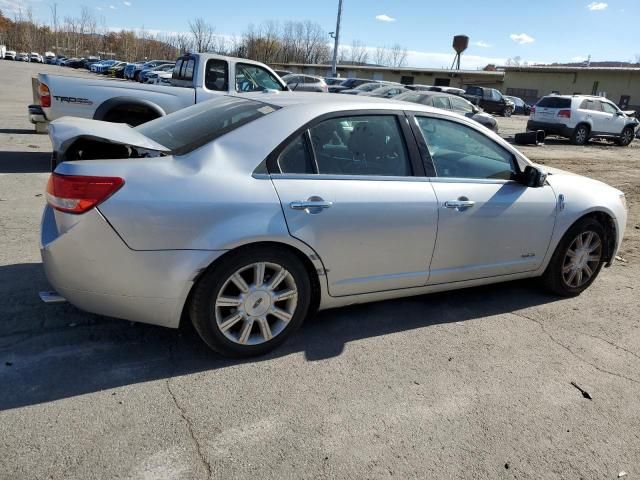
[(10, 55), (282, 73), (60, 60), (22, 57), (75, 63), (418, 87), (49, 57), (349, 83), (490, 100), (217, 213), (117, 70), (453, 103), (201, 76), (162, 78), (130, 69), (35, 57), (330, 81), (147, 65), (451, 90), (385, 91), (167, 67), (582, 117), (520, 107), (365, 87), (90, 60), (305, 83), (103, 66)]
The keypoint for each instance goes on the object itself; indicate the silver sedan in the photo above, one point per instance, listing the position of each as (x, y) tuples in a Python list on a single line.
[(247, 214)]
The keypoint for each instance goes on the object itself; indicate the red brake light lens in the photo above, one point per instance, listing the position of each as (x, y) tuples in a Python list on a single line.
[(564, 113), (45, 95), (78, 193)]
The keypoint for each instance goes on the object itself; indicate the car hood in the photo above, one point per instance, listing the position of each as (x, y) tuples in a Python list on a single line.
[(64, 131), (558, 178)]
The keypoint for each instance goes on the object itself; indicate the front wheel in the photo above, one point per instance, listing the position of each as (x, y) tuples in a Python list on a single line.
[(580, 135), (577, 260), (507, 112), (626, 137), (251, 301)]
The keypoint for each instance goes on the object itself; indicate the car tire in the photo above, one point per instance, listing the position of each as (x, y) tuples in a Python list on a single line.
[(580, 135), (626, 137), (507, 112), (570, 263), (237, 316)]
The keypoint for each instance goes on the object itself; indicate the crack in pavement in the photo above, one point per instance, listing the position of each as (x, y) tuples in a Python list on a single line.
[(187, 420), (612, 344), (574, 354)]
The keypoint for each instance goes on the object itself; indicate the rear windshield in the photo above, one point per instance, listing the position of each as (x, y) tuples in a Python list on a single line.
[(192, 127), (554, 102)]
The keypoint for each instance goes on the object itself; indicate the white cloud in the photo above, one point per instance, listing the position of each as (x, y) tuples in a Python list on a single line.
[(579, 58), (11, 6), (385, 18), (482, 44), (521, 38), (593, 6), (128, 4), (112, 7)]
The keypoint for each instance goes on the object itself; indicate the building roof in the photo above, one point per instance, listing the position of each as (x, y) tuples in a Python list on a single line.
[(568, 69), (342, 67)]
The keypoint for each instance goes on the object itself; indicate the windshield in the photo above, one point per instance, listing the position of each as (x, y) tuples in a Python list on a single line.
[(190, 128)]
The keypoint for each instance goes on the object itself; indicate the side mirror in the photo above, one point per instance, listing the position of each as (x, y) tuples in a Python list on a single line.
[(534, 177)]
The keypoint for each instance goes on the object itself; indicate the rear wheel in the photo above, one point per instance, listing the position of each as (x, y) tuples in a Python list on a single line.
[(580, 135), (507, 112), (251, 301), (626, 137), (577, 260)]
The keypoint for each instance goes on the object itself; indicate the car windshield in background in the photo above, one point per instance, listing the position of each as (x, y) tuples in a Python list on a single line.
[(190, 128), (555, 102)]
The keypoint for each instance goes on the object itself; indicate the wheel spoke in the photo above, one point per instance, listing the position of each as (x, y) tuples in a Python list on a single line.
[(567, 268), (265, 329), (587, 270), (281, 314), (571, 276), (579, 243), (593, 258), (230, 321), (571, 253), (594, 246), (239, 282), (285, 295), (246, 331), (578, 277), (587, 243), (228, 301), (277, 278), (258, 274)]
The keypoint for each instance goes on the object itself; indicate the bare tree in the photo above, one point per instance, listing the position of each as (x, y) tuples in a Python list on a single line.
[(203, 34), (54, 24), (397, 56), (358, 52)]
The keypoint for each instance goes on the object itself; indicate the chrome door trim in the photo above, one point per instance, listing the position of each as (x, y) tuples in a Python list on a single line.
[(324, 176)]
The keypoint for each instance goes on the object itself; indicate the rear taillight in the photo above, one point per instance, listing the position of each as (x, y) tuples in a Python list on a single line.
[(564, 113), (45, 95), (77, 193), (533, 110)]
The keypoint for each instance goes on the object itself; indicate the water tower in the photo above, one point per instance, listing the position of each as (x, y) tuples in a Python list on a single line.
[(460, 44)]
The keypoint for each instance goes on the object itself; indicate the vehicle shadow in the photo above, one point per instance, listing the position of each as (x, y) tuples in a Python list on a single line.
[(18, 131), (25, 162), (50, 352)]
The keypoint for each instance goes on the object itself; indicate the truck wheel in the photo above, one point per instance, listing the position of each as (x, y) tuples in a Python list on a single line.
[(626, 137), (580, 135)]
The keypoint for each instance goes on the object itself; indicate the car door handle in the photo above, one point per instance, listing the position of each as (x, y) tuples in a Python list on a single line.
[(459, 204), (311, 205)]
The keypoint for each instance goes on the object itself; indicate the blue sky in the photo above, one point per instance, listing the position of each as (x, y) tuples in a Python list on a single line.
[(536, 31)]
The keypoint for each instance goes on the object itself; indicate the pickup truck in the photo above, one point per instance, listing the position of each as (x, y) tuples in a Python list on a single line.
[(490, 100), (195, 78)]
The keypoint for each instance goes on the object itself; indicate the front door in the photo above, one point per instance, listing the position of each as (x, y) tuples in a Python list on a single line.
[(614, 120), (488, 224), (349, 189)]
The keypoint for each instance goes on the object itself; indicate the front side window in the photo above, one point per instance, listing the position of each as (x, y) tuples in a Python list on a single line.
[(461, 106), (496, 95), (608, 108), (253, 78), (216, 74), (360, 145), (462, 152)]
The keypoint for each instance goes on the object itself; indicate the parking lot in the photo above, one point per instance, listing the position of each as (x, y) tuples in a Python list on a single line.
[(471, 384)]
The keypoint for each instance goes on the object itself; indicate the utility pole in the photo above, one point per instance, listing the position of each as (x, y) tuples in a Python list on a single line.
[(337, 41)]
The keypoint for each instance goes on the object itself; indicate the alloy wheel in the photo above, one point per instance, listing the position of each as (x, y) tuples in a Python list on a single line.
[(627, 136), (582, 259), (581, 135), (256, 303)]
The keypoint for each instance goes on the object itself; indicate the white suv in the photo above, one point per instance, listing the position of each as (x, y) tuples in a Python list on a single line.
[(581, 117)]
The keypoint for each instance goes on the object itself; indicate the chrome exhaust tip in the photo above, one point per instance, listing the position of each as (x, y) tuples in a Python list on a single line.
[(51, 297)]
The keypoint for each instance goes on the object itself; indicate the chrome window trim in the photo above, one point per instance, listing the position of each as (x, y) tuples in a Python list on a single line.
[(321, 176)]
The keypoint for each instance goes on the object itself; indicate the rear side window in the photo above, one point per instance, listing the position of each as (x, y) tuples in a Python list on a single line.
[(216, 75), (187, 72), (441, 102), (296, 157), (190, 128), (554, 102), (177, 67)]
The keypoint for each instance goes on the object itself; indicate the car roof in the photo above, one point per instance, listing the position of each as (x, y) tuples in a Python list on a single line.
[(431, 93)]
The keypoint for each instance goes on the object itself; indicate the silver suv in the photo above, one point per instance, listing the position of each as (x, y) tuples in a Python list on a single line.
[(581, 117), (305, 83)]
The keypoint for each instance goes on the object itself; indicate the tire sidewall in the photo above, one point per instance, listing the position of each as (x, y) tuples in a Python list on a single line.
[(574, 137), (621, 141), (202, 307)]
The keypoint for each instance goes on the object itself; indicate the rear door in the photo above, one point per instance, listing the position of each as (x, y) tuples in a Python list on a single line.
[(488, 224), (352, 186)]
